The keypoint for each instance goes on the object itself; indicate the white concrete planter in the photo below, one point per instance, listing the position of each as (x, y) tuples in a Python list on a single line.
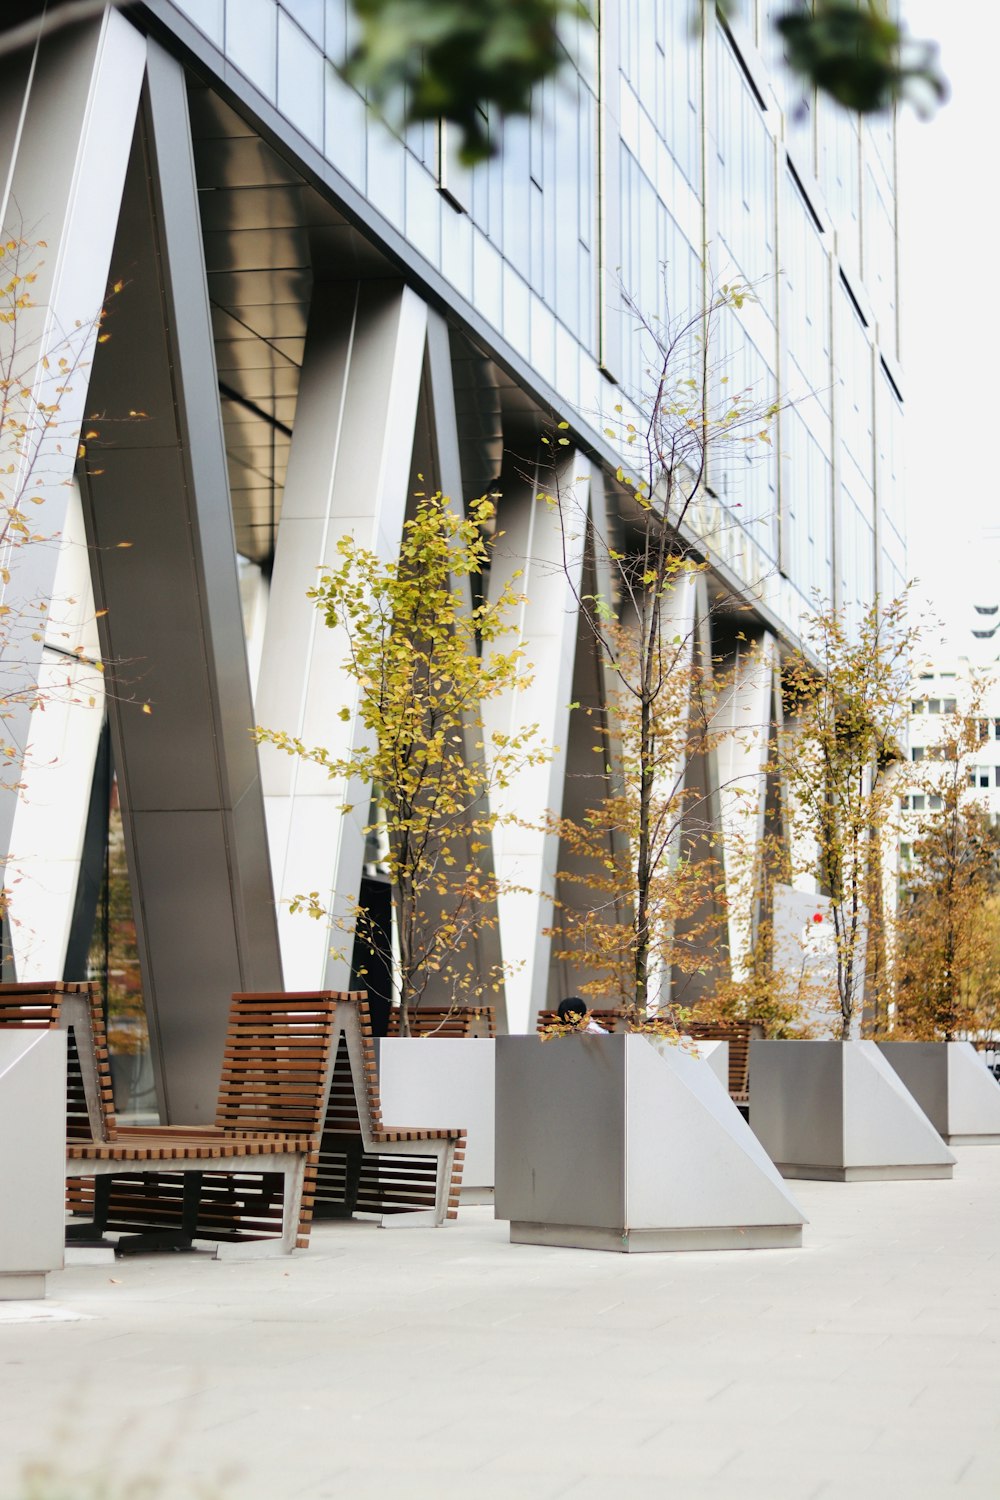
[(32, 1159), (837, 1112), (621, 1143), (959, 1096), (444, 1081)]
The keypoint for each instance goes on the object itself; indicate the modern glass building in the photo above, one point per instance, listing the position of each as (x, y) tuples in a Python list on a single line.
[(308, 310)]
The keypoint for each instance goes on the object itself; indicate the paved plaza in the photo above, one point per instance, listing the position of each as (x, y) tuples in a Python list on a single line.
[(447, 1363)]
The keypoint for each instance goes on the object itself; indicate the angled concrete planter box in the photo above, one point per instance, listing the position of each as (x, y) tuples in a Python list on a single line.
[(959, 1096), (620, 1143), (32, 1159), (837, 1112), (444, 1082)]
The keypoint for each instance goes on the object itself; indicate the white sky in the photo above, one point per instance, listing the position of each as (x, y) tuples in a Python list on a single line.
[(949, 234)]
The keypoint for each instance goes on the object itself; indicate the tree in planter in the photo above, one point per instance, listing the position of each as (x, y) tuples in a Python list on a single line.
[(645, 855), (848, 692), (947, 944), (757, 993), (425, 661), (640, 905)]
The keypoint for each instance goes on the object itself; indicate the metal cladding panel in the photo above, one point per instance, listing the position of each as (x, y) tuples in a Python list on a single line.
[(187, 920), (560, 1130), (797, 1100), (923, 1068), (159, 518), (153, 639)]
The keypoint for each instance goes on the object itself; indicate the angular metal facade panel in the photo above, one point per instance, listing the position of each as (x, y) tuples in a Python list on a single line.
[(157, 505)]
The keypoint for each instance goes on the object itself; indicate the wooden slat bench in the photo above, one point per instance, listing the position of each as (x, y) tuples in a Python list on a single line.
[(250, 1176), (367, 1167), (426, 1020)]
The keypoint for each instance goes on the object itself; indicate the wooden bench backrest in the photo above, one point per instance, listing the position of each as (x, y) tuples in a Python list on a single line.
[(441, 1020), (76, 1008), (276, 1066), (737, 1035)]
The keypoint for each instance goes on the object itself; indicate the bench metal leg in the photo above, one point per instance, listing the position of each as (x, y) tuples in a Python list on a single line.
[(91, 1236), (291, 1211), (169, 1239)]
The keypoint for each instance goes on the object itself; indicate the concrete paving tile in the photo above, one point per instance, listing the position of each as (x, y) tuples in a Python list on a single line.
[(572, 1455), (707, 1487), (895, 1472), (437, 1485), (911, 1488)]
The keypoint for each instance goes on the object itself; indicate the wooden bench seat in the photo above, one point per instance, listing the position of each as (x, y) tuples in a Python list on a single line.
[(177, 1144)]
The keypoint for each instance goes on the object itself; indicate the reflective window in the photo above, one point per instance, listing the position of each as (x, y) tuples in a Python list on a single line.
[(386, 169), (744, 177), (346, 128), (744, 474), (300, 80), (252, 41), (854, 411), (208, 15), (805, 267), (840, 175), (310, 16), (857, 565), (879, 254), (889, 477), (807, 554)]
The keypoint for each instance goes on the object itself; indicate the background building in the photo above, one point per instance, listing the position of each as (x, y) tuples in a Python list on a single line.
[(963, 682), (311, 312)]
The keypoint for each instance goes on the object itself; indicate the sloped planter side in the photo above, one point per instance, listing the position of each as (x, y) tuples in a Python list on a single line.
[(715, 1054), (957, 1093), (618, 1143), (435, 1082), (837, 1112)]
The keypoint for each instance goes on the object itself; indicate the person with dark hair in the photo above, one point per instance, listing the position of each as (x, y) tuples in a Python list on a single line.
[(573, 1010)]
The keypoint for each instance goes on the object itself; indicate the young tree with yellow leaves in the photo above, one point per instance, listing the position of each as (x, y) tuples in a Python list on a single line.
[(647, 904), (847, 695), (417, 649), (947, 942)]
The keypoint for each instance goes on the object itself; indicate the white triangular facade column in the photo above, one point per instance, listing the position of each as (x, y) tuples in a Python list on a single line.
[(547, 552)]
